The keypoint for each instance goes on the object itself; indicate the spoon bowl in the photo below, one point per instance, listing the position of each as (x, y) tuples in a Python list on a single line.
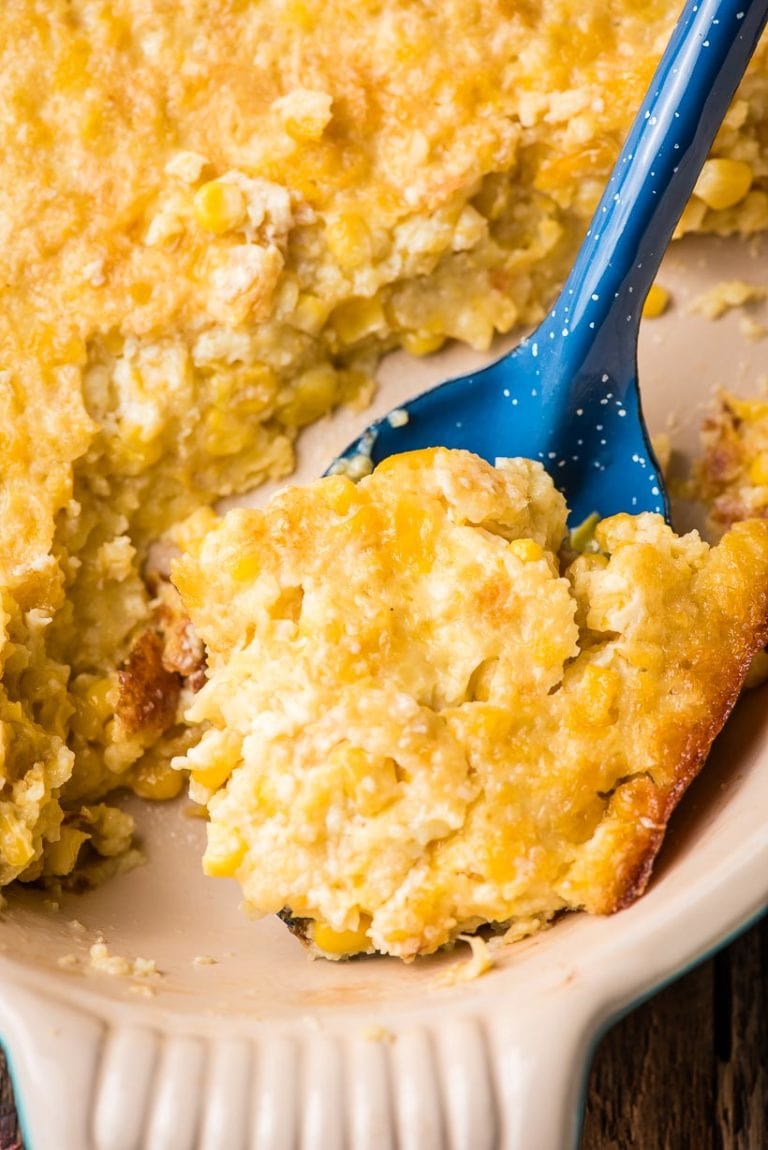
[(568, 395), (603, 462)]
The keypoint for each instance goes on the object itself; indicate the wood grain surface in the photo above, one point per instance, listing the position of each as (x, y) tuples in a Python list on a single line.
[(10, 1137), (686, 1071), (689, 1069)]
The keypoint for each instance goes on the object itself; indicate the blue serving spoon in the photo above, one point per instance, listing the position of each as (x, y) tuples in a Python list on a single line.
[(568, 394)]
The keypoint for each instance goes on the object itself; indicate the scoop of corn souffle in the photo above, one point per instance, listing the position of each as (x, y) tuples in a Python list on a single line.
[(425, 715)]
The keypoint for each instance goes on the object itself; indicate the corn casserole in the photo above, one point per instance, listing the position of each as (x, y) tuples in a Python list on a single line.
[(395, 761), (213, 221)]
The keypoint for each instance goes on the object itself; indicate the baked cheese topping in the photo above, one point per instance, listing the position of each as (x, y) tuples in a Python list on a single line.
[(422, 717)]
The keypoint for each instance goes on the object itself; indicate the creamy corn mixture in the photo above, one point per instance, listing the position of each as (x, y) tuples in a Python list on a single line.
[(213, 219), (423, 717)]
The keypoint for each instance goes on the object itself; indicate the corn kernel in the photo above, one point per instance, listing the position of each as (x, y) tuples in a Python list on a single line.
[(226, 433), (423, 457), (528, 550), (357, 318), (598, 690), (310, 313), (422, 343), (723, 183), (316, 392), (692, 217), (157, 781), (349, 240), (246, 566), (224, 853), (16, 841), (61, 856), (138, 451), (100, 696), (656, 302), (339, 494), (219, 206), (211, 761), (357, 387), (214, 776), (94, 705), (369, 780), (758, 471), (500, 864), (342, 942)]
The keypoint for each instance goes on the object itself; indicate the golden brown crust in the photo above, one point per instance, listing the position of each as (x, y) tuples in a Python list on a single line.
[(148, 693), (689, 752), (690, 763)]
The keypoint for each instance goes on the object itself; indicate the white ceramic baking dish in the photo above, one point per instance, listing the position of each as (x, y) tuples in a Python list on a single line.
[(266, 1050)]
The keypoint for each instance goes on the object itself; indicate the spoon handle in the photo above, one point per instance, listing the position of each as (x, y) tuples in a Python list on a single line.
[(600, 306)]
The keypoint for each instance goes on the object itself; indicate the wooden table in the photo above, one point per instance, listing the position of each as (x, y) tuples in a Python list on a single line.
[(686, 1071), (689, 1069)]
